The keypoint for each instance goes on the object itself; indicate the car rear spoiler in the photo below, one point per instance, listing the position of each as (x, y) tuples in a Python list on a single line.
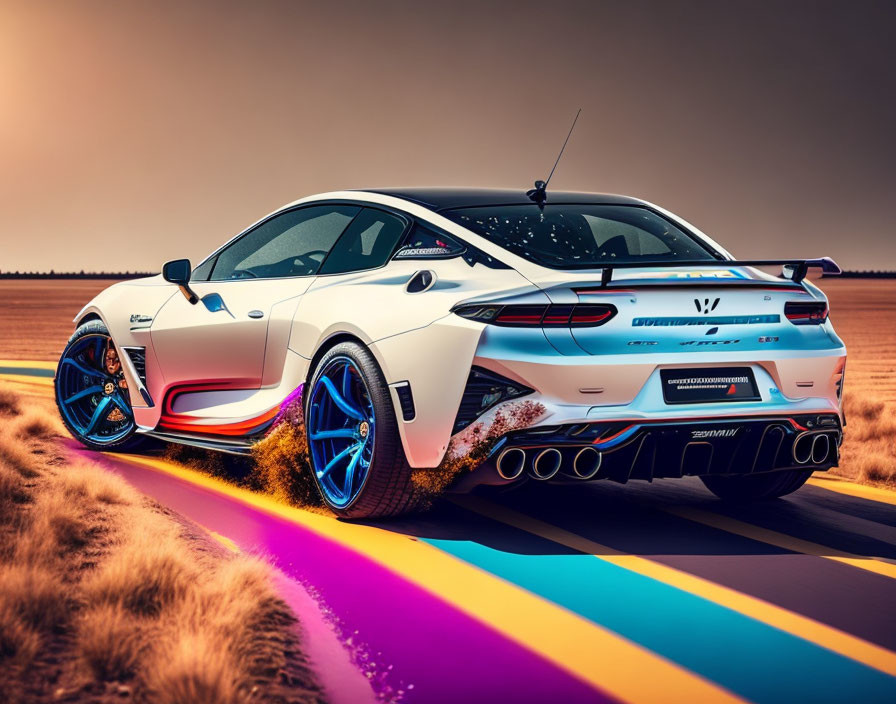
[(799, 267)]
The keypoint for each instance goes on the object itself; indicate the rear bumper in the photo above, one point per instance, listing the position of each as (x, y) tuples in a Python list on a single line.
[(649, 450), (575, 387)]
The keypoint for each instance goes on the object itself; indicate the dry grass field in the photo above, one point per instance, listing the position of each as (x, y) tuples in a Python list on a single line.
[(106, 596), (864, 313), (36, 315)]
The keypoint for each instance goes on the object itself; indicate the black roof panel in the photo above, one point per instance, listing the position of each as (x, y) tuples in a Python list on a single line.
[(446, 198)]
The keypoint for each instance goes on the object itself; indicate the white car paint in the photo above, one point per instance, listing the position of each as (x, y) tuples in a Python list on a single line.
[(579, 375)]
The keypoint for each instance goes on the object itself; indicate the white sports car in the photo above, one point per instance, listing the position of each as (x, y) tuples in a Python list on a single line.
[(568, 337)]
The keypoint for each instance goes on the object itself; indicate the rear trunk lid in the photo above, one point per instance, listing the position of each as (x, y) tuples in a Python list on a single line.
[(669, 310)]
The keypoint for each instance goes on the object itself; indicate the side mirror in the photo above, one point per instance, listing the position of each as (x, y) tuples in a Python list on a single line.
[(178, 272)]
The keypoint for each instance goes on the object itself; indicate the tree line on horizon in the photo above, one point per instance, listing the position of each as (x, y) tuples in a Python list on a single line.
[(74, 274), (852, 274)]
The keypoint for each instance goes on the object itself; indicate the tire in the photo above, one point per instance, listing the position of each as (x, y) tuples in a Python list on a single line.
[(386, 488), (757, 487), (80, 369)]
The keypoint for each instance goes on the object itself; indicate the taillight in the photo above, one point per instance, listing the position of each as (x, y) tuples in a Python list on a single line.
[(806, 313), (581, 315)]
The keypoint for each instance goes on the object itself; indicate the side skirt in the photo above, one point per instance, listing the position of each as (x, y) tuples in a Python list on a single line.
[(240, 446)]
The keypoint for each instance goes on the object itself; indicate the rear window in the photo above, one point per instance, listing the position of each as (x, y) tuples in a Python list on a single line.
[(582, 236)]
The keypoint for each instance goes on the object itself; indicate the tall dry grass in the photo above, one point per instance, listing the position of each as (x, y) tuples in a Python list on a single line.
[(869, 439), (864, 316), (104, 597)]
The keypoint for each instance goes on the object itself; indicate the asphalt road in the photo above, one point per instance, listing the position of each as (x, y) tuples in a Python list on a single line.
[(587, 593)]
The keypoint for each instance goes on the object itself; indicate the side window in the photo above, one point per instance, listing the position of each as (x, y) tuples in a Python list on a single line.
[(423, 242), (366, 244), (292, 244), (201, 272)]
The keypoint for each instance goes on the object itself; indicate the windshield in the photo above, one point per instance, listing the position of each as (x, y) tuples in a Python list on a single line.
[(582, 236)]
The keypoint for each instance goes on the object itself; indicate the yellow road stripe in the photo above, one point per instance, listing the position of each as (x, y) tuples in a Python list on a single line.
[(806, 628), (580, 647), (24, 379), (872, 493), (27, 364), (27, 381), (787, 542)]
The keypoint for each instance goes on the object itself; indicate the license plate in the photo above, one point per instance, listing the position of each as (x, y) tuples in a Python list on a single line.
[(715, 385)]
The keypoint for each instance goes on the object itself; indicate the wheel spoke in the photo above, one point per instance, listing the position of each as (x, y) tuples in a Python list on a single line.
[(339, 457), (347, 433), (98, 414), (340, 424), (93, 373), (81, 394), (341, 402), (350, 470)]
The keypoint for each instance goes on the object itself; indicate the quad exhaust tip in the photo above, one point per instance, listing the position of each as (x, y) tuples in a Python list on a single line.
[(546, 464), (813, 446), (802, 449), (586, 463), (511, 463), (821, 446)]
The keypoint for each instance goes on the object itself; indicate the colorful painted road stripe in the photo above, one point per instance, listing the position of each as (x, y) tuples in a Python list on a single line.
[(27, 368), (589, 652), (797, 625), (704, 637), (859, 491), (32, 373)]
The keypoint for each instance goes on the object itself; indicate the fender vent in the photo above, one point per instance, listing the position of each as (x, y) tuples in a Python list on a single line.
[(137, 355), (406, 400), (484, 390)]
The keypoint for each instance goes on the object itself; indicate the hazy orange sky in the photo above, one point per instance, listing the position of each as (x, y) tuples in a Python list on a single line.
[(136, 132)]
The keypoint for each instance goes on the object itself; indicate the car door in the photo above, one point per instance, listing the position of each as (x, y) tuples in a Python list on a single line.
[(345, 293), (220, 342)]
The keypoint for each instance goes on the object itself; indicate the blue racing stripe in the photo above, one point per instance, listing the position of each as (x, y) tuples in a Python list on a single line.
[(28, 371), (747, 657)]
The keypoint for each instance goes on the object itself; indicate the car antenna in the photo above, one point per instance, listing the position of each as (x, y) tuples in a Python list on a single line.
[(539, 194)]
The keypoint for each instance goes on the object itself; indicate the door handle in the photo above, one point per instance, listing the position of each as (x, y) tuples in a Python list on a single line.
[(256, 314)]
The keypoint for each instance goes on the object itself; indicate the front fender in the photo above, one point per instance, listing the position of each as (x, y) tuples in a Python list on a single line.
[(115, 306)]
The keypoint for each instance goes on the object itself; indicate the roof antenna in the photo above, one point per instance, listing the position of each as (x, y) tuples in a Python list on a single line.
[(539, 194)]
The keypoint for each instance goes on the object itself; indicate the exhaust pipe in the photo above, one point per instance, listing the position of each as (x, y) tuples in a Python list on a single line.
[(821, 446), (586, 463), (511, 463), (802, 449), (546, 464)]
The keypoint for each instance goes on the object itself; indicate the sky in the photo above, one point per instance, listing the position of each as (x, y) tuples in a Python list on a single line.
[(132, 133)]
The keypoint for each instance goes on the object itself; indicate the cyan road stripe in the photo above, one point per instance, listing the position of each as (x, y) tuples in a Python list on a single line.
[(28, 371), (747, 657)]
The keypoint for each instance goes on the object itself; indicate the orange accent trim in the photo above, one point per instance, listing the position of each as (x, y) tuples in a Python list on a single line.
[(239, 428), (614, 435)]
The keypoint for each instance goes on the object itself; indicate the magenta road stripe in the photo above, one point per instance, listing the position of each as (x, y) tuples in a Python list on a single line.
[(414, 642)]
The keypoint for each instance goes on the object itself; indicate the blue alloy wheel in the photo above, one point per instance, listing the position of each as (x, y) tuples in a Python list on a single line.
[(341, 427), (91, 391)]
